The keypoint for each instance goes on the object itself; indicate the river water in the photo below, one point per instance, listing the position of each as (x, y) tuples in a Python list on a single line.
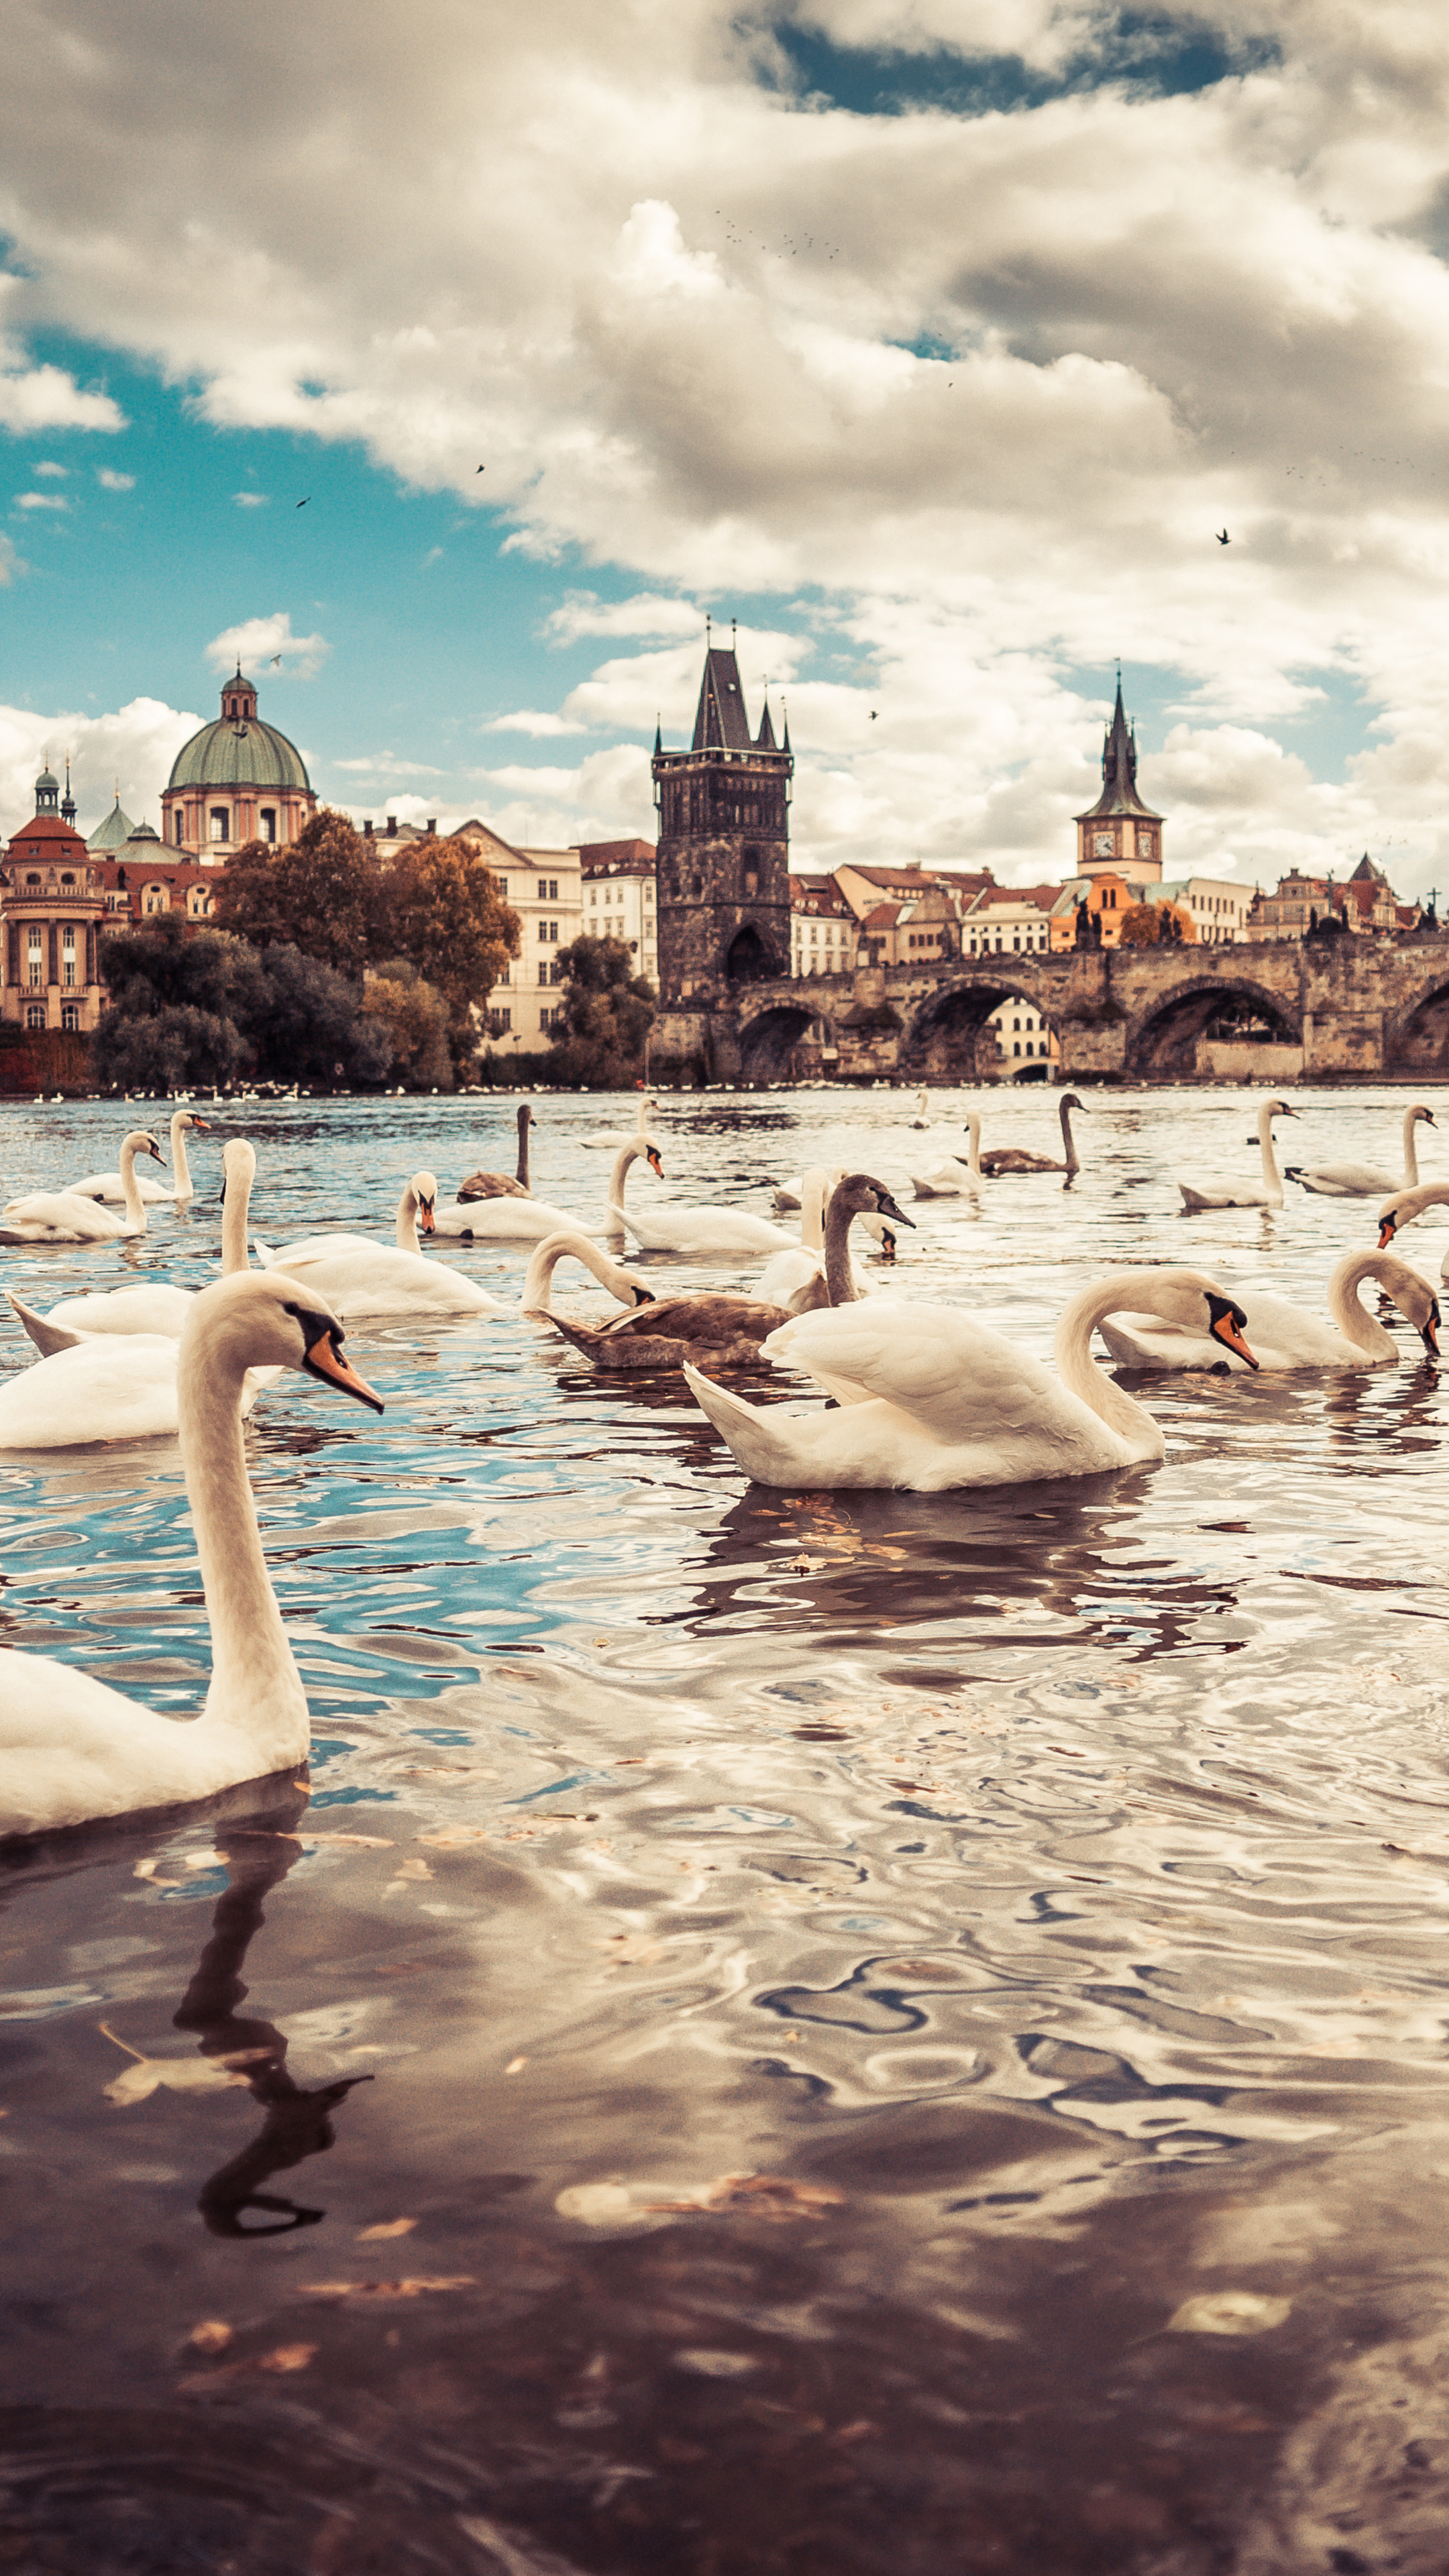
[(853, 2033)]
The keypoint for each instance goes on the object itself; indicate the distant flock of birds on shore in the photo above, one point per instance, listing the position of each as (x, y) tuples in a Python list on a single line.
[(920, 1396)]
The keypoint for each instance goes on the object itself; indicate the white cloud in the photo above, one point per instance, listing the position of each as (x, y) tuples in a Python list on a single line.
[(111, 481), (384, 765), (41, 501), (133, 748), (260, 640), (251, 500), (695, 352), (535, 721), (52, 469)]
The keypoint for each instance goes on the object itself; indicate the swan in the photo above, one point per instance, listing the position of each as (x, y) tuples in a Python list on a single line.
[(109, 1185), (153, 1307), (930, 1399), (726, 1330), (1365, 1180), (791, 1194), (922, 1103), (951, 1178), (1284, 1336), (536, 1299), (516, 1220), (1406, 1207), (702, 1229), (801, 1279), (71, 1748), (359, 1277), (1223, 1194), (58, 1216), (497, 1185), (609, 1139), (1014, 1158)]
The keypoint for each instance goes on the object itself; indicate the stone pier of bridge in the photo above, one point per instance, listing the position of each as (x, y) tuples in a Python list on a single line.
[(1345, 1009)]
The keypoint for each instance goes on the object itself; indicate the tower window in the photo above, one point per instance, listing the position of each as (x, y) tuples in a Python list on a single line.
[(221, 822), (268, 822)]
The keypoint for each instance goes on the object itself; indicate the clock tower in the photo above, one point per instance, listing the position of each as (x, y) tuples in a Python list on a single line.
[(1120, 832)]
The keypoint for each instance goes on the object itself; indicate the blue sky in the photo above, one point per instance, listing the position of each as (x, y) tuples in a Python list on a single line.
[(931, 341)]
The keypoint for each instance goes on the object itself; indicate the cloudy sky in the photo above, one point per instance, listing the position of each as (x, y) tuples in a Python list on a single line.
[(933, 340)]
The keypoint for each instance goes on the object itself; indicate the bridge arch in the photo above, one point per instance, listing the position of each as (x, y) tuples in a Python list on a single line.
[(1230, 1009), (1416, 1039), (949, 1032), (785, 1039)]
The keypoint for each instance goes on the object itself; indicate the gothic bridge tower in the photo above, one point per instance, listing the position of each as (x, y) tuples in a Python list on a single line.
[(724, 846)]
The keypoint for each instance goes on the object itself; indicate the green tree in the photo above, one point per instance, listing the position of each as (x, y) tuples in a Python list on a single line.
[(321, 894), (415, 1017), (201, 1006), (606, 1014), (446, 912)]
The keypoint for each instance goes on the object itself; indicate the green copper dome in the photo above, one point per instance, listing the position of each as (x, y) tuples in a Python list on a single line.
[(239, 750)]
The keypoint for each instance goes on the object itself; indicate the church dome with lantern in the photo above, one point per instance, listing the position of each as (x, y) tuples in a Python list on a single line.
[(237, 780)]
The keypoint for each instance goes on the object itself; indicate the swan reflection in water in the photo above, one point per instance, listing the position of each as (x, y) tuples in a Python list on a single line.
[(297, 2122)]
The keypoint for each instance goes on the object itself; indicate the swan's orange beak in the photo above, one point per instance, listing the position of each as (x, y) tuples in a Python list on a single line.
[(1388, 1228), (651, 1157), (324, 1359), (425, 1213), (202, 1125), (1227, 1327)]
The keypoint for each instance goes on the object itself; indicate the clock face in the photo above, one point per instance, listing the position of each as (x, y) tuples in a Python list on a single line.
[(1104, 845), (1144, 845)]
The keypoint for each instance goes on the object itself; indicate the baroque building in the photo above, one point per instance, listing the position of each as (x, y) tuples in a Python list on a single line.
[(237, 780), (51, 908), (724, 845)]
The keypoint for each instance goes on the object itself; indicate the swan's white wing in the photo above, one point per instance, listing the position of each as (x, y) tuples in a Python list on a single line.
[(158, 1309), (117, 1387), (59, 1216), (945, 1369), (1347, 1181)]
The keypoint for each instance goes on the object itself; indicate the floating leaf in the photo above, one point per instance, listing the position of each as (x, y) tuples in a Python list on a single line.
[(1229, 2312)]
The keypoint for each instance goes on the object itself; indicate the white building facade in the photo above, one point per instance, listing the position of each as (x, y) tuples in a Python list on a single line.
[(543, 887), (619, 898)]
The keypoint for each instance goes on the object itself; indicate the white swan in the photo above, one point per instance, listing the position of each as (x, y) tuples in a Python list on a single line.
[(609, 1139), (153, 1307), (1406, 1207), (71, 1748), (951, 1178), (1224, 1194), (359, 1277), (703, 1229), (537, 1294), (58, 1216), (929, 1398), (1365, 1180), (109, 1185), (1285, 1336), (520, 1220), (921, 1118)]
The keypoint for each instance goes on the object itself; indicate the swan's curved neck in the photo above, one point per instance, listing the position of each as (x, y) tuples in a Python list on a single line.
[(255, 1684), (1411, 1149), (839, 1276), (180, 1168), (544, 1261), (973, 1151), (1271, 1173), (407, 1221), (234, 1216), (1069, 1148), (1347, 1309), (131, 1189), (626, 1155), (524, 1123), (1079, 1371)]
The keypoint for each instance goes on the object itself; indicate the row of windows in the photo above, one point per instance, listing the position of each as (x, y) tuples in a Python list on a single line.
[(218, 824), (69, 1016)]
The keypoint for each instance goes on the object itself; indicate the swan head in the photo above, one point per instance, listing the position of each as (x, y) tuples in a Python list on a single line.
[(1419, 1111), (424, 1188), (193, 1118), (867, 1197), (1199, 1304), (525, 1116), (138, 1142), (1277, 1109), (238, 1163), (1069, 1100), (266, 1320), (655, 1161)]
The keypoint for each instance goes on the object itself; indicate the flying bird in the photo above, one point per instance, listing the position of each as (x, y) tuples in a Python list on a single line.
[(276, 661), (872, 715), (303, 504), (482, 469), (1223, 538)]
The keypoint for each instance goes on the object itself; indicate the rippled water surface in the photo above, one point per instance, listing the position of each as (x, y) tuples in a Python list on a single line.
[(862, 2032)]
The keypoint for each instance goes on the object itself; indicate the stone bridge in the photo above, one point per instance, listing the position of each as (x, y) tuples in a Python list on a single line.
[(1339, 1009)]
